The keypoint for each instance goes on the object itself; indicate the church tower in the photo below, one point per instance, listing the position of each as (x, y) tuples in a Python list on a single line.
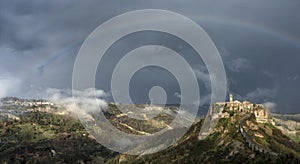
[(231, 101)]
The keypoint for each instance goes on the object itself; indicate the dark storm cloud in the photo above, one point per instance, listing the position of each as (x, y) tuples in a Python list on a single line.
[(257, 40)]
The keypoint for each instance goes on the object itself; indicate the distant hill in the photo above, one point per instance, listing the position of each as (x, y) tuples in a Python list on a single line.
[(295, 117), (289, 125)]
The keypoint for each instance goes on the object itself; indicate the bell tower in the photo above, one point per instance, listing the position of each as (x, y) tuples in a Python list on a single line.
[(231, 101)]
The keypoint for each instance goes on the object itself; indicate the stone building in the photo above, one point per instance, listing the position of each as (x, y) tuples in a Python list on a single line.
[(261, 115), (258, 110), (246, 105)]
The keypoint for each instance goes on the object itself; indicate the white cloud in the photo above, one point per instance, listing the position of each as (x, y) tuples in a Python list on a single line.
[(87, 101), (178, 95), (239, 64), (261, 94), (271, 106), (268, 74), (205, 99), (294, 78), (202, 75)]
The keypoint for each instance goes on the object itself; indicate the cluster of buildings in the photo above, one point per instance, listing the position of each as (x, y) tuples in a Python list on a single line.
[(261, 114), (25, 103), (11, 107)]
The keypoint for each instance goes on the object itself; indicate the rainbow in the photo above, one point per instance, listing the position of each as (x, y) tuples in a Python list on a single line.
[(252, 26)]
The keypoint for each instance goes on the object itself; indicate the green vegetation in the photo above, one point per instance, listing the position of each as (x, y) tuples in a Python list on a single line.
[(269, 125), (295, 137), (43, 138), (48, 138), (214, 136), (224, 145)]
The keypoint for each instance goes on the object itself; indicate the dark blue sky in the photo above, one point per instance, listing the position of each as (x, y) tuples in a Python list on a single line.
[(259, 42)]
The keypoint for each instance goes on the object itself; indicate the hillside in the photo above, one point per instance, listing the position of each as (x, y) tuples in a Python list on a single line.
[(46, 138), (43, 136), (225, 145)]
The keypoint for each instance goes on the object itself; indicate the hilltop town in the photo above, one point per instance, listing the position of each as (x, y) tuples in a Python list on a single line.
[(225, 109), (13, 108)]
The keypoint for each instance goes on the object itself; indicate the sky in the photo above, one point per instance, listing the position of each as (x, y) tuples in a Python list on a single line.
[(259, 42)]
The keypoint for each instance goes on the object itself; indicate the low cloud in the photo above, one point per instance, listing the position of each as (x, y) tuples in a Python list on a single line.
[(89, 101)]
